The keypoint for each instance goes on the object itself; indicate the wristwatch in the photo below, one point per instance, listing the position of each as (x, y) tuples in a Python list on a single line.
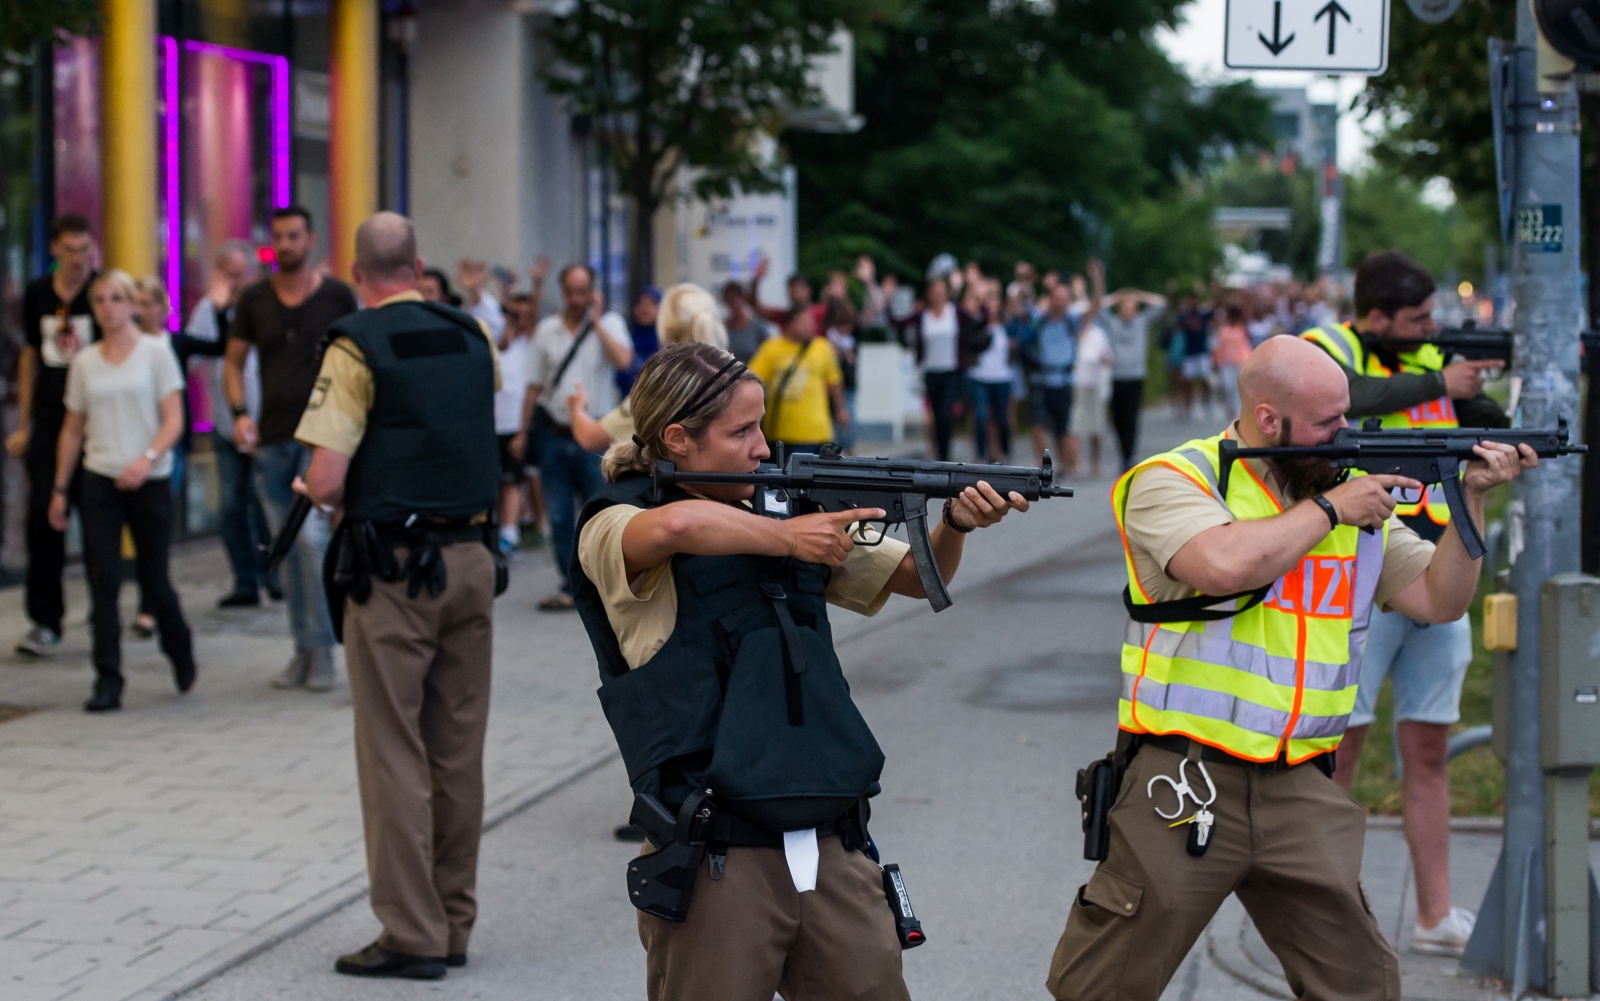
[(151, 454), (1328, 509), (237, 410)]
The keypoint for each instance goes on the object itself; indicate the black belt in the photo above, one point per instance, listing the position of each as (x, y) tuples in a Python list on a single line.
[(1179, 744), (440, 534), (735, 831)]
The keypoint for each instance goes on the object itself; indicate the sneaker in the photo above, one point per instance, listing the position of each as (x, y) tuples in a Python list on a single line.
[(39, 642), (240, 599), (507, 547), (294, 675), (319, 669), (1448, 937)]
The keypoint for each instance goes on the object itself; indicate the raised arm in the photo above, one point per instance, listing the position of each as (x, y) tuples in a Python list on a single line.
[(710, 528)]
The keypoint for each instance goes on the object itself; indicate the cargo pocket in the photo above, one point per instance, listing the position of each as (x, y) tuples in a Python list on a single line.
[(1092, 957)]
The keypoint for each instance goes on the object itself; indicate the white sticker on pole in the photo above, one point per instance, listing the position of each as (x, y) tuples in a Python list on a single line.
[(1336, 36)]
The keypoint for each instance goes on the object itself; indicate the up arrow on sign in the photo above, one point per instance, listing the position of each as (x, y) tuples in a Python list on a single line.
[(1290, 35)]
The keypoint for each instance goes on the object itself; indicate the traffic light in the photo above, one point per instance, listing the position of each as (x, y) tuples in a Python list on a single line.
[(1573, 29)]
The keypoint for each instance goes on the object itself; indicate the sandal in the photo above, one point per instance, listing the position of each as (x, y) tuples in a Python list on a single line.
[(558, 602)]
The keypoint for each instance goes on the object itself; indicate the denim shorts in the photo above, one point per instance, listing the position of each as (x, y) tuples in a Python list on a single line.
[(1426, 664)]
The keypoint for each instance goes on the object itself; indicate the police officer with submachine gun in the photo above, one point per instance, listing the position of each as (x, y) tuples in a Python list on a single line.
[(401, 426), (1255, 561), (704, 579)]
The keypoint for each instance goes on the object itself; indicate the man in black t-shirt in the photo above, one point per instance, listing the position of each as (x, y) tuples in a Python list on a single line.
[(57, 323), (284, 317)]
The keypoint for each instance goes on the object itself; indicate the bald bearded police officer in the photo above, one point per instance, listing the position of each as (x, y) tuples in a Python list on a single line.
[(401, 427), (1232, 718), (719, 675)]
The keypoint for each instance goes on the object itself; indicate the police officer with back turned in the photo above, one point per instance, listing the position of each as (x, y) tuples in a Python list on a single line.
[(719, 676), (401, 426)]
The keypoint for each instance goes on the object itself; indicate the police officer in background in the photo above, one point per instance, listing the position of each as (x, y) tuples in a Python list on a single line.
[(1412, 387), (401, 427), (1239, 667), (718, 671)]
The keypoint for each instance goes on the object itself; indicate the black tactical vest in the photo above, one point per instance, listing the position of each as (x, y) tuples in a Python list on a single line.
[(430, 448), (746, 698)]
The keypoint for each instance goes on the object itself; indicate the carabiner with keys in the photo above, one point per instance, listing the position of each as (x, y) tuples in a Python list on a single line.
[(1181, 788)]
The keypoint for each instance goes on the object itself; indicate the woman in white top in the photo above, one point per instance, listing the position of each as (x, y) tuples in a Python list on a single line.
[(124, 414), (1091, 388), (937, 343)]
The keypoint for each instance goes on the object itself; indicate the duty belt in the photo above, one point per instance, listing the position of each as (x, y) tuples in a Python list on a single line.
[(1179, 744)]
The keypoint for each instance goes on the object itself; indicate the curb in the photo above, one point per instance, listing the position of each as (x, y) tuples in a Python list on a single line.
[(351, 890), (1464, 825)]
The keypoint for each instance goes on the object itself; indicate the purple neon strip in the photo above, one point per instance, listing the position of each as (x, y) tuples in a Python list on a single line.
[(280, 109), (169, 47)]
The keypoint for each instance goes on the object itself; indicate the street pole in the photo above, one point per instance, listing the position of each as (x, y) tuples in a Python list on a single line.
[(1509, 941)]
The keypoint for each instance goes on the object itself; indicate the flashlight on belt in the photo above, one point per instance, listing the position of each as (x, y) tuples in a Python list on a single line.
[(906, 924)]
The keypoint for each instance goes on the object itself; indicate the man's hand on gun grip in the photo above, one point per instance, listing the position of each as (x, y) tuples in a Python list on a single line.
[(1366, 501), (1497, 463), (982, 506)]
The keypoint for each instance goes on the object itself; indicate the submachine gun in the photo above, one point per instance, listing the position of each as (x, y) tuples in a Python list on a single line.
[(1468, 342), (1429, 455), (831, 481)]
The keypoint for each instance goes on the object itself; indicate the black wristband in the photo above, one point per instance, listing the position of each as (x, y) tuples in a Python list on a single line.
[(1328, 509), (953, 526), (237, 412)]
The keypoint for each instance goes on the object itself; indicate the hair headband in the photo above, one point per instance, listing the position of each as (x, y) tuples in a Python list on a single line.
[(709, 391)]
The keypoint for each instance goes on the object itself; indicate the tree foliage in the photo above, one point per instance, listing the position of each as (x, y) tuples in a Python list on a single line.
[(1023, 129), (26, 23), (1386, 210), (696, 83)]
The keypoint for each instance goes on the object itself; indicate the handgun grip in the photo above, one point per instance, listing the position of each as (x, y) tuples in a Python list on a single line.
[(916, 509), (1466, 528)]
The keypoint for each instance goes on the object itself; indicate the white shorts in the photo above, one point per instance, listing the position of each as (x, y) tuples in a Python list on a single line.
[(1197, 367), (1088, 410)]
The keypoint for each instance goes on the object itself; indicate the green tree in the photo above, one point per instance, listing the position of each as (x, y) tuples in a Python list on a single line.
[(26, 23), (1015, 129), (1244, 183), (694, 83), (1385, 210)]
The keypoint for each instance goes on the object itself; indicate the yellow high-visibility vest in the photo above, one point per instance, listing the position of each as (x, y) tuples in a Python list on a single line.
[(1277, 678), (1345, 346)]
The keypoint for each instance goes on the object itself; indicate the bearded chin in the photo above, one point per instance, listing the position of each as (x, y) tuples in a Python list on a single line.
[(1305, 476)]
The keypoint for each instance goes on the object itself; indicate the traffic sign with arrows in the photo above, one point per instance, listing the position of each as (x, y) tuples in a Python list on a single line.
[(1308, 35)]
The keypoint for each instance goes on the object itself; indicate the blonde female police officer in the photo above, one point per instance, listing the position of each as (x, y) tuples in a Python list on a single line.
[(686, 598)]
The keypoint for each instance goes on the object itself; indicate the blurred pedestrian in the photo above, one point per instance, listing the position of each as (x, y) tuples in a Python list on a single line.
[(797, 287), (805, 388), (839, 326), (582, 343), (473, 277), (124, 414), (642, 331), (874, 312), (745, 329), (989, 380), (434, 286), (936, 346), (1228, 354), (1192, 336), (284, 317), (514, 342), (1091, 378), (241, 522), (57, 323), (1049, 349), (1127, 326)]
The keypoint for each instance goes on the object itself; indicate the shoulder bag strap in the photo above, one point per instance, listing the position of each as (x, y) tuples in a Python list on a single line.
[(783, 384)]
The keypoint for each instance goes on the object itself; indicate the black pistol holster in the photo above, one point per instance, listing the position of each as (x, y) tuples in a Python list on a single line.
[(661, 883), (1098, 786)]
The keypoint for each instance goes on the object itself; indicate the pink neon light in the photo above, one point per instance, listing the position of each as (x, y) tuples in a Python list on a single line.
[(280, 109), (169, 46)]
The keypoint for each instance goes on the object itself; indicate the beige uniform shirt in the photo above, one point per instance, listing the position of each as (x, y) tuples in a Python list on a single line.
[(644, 611), (336, 417), (1166, 509)]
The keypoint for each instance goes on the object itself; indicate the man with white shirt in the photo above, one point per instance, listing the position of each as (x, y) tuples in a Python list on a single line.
[(581, 344)]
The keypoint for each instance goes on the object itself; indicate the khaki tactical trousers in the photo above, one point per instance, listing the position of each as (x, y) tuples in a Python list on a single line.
[(419, 681), (1289, 844), (750, 934)]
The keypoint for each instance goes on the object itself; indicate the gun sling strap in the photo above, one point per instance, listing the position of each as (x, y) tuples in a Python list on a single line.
[(1195, 609)]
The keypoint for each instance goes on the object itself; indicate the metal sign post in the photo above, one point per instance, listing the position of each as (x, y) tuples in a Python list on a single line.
[(1540, 181), (1339, 36)]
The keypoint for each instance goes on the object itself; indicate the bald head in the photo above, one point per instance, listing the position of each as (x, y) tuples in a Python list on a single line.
[(1288, 378), (386, 249)]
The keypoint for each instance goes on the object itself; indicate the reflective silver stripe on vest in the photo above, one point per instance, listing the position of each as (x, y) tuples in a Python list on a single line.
[(1337, 342), (1213, 644), (1210, 704), (1202, 462), (1312, 727), (1369, 554)]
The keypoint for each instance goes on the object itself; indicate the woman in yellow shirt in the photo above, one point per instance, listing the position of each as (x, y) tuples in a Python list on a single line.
[(805, 386)]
